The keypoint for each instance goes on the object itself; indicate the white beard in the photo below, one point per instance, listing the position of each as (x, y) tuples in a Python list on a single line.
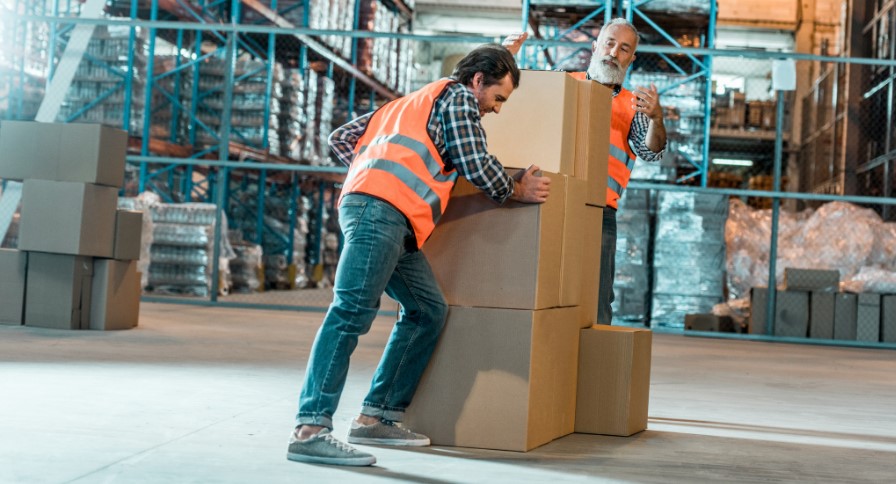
[(603, 73)]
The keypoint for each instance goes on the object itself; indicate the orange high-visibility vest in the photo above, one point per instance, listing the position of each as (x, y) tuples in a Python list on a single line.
[(397, 161), (622, 158)]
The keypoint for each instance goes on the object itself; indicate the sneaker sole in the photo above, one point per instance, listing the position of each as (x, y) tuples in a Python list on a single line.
[(336, 461), (393, 442)]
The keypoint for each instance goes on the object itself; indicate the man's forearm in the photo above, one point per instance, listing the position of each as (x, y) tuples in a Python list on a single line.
[(656, 136)]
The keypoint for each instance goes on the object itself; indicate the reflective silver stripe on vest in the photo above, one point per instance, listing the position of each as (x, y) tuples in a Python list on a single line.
[(615, 186), (407, 177), (622, 156), (432, 166)]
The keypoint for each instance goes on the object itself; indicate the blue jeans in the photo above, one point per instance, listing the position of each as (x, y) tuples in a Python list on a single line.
[(379, 255), (605, 295)]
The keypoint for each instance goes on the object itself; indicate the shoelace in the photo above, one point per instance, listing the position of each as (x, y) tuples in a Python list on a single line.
[(339, 444)]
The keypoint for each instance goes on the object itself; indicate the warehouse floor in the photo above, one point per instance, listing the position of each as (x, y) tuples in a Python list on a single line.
[(200, 394)]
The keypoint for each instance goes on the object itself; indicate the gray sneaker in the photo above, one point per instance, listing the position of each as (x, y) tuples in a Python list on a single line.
[(323, 448), (385, 433)]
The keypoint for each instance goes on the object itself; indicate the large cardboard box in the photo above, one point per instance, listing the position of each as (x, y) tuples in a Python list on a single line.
[(593, 139), (811, 279), (115, 295), (572, 272), (500, 379), (13, 264), (500, 256), (868, 317), (888, 319), (594, 217), (613, 380), (845, 312), (85, 153), (58, 291), (68, 218), (537, 125), (821, 315), (128, 233)]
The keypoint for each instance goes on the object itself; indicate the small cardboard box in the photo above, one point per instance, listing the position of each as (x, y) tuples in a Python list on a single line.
[(845, 312), (594, 218), (58, 291), (758, 314), (792, 314), (115, 295), (593, 139), (520, 244), (84, 153), (572, 271), (811, 280), (13, 264), (613, 380), (821, 315), (500, 379), (537, 125), (868, 317), (68, 218), (708, 322), (128, 233)]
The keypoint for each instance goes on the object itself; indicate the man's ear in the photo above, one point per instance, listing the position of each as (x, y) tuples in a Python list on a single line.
[(594, 45), (477, 80)]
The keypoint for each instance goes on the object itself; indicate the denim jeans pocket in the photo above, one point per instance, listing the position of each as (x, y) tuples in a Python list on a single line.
[(351, 211)]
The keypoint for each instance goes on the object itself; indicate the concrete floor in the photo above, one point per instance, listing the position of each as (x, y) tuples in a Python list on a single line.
[(199, 394)]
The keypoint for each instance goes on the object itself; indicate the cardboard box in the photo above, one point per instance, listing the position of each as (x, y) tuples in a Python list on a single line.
[(758, 315), (811, 280), (13, 265), (572, 272), (538, 123), (792, 314), (594, 218), (115, 295), (845, 311), (709, 322), (500, 256), (821, 315), (128, 233), (68, 218), (500, 379), (84, 153), (868, 317), (888, 319), (592, 151), (58, 291), (613, 380)]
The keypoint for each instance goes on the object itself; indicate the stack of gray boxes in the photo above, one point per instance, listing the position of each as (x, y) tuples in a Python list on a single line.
[(75, 267), (689, 256), (809, 305), (631, 284)]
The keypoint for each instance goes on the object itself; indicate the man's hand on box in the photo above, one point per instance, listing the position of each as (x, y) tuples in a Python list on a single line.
[(531, 188), (514, 42)]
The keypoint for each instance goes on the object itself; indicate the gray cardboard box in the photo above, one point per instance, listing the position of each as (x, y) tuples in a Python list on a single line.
[(13, 265), (85, 153), (845, 311), (868, 317), (92, 153), (792, 314), (115, 295), (821, 315), (58, 291), (811, 280), (29, 150), (68, 218), (888, 319), (758, 303), (128, 231)]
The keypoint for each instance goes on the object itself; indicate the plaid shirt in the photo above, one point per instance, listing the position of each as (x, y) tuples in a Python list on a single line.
[(456, 129)]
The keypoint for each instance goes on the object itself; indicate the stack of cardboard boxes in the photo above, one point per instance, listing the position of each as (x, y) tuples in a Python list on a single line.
[(75, 267), (809, 305), (521, 279)]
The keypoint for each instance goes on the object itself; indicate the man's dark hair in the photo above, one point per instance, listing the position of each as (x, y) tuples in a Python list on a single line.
[(493, 61)]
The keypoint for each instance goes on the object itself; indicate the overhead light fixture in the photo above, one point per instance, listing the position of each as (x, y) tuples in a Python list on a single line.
[(731, 162)]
